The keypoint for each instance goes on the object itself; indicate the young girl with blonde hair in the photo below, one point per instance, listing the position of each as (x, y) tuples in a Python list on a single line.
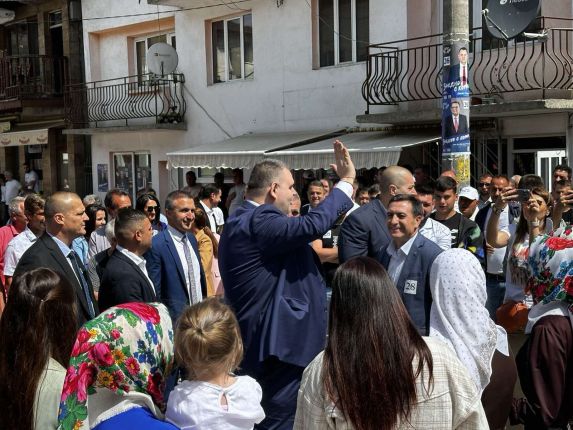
[(208, 345)]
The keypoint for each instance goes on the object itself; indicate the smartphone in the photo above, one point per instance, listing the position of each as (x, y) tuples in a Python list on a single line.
[(523, 195)]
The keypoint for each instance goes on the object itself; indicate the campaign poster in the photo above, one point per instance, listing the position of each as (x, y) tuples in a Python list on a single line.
[(456, 99), (102, 178)]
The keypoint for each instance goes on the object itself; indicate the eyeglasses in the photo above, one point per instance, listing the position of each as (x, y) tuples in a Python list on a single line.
[(484, 184), (152, 208)]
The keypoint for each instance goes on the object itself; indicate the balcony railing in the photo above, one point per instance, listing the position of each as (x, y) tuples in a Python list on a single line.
[(411, 69), (125, 101), (32, 76)]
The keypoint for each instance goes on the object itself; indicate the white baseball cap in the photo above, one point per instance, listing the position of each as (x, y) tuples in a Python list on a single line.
[(469, 193)]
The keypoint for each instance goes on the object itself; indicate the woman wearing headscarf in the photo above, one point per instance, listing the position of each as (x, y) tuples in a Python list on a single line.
[(376, 371), (460, 319), (545, 362), (37, 332), (116, 376)]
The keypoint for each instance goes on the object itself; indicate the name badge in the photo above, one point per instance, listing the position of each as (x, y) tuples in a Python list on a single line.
[(410, 287)]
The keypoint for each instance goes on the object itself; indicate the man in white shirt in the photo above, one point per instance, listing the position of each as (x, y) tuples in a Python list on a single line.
[(409, 257), (430, 228), (125, 278), (12, 187), (31, 179), (209, 198), (192, 186), (34, 211)]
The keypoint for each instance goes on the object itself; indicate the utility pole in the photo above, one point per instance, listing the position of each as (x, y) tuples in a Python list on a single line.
[(456, 90)]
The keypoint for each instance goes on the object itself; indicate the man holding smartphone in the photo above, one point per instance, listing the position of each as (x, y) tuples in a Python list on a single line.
[(562, 196)]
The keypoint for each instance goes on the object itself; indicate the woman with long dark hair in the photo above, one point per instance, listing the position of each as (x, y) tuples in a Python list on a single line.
[(37, 332), (376, 371), (149, 204)]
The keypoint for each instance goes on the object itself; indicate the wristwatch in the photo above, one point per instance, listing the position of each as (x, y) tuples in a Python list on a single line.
[(496, 210)]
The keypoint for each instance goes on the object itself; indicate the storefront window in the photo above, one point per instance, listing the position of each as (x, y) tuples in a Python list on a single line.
[(132, 172)]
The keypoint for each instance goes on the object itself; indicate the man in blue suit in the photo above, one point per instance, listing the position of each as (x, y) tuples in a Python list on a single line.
[(364, 232), (409, 258), (273, 281), (173, 262)]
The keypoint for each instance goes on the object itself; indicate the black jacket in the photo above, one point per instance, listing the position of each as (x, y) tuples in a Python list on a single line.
[(123, 282)]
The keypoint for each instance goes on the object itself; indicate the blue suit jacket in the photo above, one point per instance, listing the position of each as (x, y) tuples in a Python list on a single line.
[(165, 270), (273, 281), (364, 233), (414, 281)]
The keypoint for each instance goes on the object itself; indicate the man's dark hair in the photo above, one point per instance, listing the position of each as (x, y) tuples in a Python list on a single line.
[(463, 48), (363, 190), (207, 190), (454, 102), (374, 190), (108, 200), (263, 175), (565, 168), (530, 182), (424, 189), (127, 220), (417, 208), (504, 177), (445, 183), (175, 195), (316, 183), (191, 173)]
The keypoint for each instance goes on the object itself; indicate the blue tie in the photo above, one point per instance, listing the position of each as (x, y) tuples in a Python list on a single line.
[(79, 273)]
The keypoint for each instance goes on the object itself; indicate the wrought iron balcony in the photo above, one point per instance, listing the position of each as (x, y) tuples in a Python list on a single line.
[(411, 69), (126, 101), (31, 77)]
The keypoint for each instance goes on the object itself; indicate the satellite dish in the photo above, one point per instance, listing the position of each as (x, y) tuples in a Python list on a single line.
[(162, 59), (506, 19)]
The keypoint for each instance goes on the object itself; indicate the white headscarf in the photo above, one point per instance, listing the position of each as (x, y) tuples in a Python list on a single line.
[(458, 315)]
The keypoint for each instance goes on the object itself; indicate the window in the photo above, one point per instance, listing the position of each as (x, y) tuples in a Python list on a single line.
[(343, 31), (232, 48), (132, 172), (141, 47)]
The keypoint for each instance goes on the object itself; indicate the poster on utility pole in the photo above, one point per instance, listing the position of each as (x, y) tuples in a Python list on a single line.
[(456, 100)]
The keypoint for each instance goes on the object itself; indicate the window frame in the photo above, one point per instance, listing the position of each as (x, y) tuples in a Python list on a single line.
[(169, 38), (336, 31), (210, 56)]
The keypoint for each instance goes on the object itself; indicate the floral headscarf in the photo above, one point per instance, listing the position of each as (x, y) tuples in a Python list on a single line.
[(551, 281), (119, 361)]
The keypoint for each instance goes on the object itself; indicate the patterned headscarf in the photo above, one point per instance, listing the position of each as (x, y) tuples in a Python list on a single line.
[(120, 361), (458, 315), (551, 281)]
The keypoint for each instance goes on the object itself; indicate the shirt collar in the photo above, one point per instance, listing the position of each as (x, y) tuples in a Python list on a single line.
[(176, 234), (255, 204), (132, 256), (28, 233), (63, 247), (405, 249)]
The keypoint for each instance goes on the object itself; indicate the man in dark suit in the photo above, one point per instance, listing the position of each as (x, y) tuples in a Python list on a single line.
[(364, 231), (273, 282), (456, 123), (173, 262), (409, 258), (125, 277), (65, 220), (460, 71)]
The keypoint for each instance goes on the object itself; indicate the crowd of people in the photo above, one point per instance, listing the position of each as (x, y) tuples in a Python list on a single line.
[(387, 301)]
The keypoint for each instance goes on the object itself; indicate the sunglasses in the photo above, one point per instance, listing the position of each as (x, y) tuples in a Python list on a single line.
[(152, 208), (484, 184)]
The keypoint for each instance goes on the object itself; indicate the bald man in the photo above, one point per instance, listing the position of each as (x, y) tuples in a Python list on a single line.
[(65, 220), (364, 232)]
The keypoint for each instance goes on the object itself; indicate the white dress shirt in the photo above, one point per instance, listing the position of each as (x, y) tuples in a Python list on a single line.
[(12, 188), (16, 248), (177, 237), (398, 258), (210, 216), (437, 233), (137, 260)]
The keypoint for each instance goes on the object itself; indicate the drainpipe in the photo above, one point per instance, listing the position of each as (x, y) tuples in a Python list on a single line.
[(456, 91)]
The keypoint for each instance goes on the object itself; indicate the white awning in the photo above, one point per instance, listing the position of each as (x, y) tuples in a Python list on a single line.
[(368, 149), (241, 152), (19, 138)]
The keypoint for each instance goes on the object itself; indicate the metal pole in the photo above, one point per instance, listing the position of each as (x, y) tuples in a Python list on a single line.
[(455, 91)]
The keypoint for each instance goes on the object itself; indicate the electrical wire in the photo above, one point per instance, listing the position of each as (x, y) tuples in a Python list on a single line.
[(206, 112)]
